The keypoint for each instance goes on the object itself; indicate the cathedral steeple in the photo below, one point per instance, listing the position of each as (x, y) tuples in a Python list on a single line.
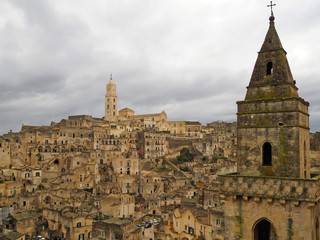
[(111, 101), (273, 121), (273, 188), (271, 76)]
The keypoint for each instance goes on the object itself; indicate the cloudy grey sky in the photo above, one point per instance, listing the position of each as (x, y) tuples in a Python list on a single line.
[(192, 59)]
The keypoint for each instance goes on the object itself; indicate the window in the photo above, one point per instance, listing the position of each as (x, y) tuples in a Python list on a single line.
[(267, 154), (37, 174), (218, 222), (269, 68), (81, 237), (191, 230), (108, 106), (180, 124), (78, 224)]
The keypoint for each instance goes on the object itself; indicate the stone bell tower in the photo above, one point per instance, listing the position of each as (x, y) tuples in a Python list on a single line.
[(111, 102), (272, 196), (273, 121)]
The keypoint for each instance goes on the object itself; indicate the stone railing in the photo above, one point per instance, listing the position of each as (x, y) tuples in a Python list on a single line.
[(271, 187)]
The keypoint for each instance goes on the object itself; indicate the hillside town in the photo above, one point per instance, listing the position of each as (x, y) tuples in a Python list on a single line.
[(123, 176), (142, 177)]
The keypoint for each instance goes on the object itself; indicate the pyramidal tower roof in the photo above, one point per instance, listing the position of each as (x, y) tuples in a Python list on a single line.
[(271, 76), (272, 41), (111, 82)]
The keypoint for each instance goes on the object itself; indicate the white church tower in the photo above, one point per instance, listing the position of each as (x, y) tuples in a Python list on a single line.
[(111, 102)]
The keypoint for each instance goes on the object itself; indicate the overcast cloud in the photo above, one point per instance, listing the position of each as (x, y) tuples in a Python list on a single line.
[(192, 59)]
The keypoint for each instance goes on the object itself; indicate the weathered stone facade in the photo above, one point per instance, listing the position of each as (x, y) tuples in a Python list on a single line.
[(272, 196)]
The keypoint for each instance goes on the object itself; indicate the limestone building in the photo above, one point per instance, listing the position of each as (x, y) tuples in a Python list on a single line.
[(111, 102), (272, 196)]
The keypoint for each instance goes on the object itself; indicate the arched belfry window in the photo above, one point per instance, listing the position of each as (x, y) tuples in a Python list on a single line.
[(269, 68), (267, 154)]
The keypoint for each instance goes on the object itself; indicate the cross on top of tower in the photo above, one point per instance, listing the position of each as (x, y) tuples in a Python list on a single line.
[(271, 5)]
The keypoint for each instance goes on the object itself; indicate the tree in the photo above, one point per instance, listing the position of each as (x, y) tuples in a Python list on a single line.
[(185, 155)]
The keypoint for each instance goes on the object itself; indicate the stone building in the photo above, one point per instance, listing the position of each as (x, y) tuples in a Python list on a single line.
[(128, 166), (193, 129), (111, 108), (23, 223), (68, 222), (185, 129), (272, 195), (153, 144), (189, 223), (116, 228), (220, 139), (177, 128)]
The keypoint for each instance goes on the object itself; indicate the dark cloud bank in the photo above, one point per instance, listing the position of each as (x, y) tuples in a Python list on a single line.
[(191, 59)]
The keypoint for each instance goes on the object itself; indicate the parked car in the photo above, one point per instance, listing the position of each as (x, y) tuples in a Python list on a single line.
[(148, 225)]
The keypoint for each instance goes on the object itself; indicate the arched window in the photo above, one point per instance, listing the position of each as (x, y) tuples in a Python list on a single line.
[(266, 154), (269, 68)]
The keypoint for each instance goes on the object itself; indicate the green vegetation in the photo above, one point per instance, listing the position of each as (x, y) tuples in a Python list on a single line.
[(289, 229), (184, 169), (163, 169), (185, 155)]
